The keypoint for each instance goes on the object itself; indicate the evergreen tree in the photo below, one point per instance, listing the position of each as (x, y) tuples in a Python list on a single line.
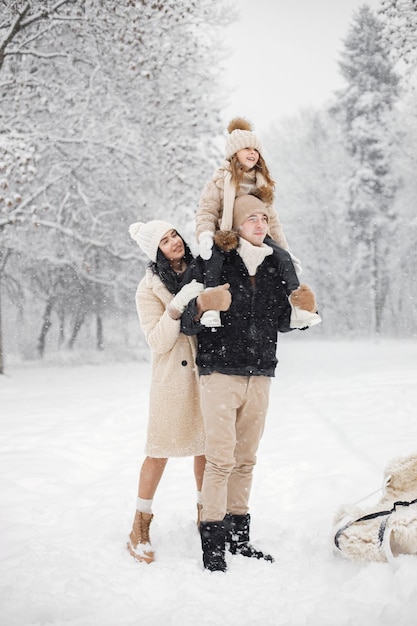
[(308, 161), (364, 108), (399, 18)]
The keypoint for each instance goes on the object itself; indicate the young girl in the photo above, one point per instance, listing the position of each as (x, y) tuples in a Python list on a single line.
[(243, 172)]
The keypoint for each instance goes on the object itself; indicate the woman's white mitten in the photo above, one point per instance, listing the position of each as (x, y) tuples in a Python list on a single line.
[(178, 303)]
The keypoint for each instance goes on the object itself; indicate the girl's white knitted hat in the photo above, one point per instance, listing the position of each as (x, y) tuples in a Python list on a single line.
[(240, 136), (149, 234)]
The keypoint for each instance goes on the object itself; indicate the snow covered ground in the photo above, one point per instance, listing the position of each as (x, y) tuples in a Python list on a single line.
[(71, 445)]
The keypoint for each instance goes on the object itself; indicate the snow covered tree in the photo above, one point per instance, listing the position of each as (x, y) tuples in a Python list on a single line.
[(308, 161), (120, 102), (399, 18), (403, 291), (365, 109), (18, 16), (17, 170)]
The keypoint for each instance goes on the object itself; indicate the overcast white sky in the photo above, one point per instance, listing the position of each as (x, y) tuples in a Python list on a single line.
[(284, 55)]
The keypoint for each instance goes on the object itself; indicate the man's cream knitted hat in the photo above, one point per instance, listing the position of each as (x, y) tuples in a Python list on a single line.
[(148, 235), (245, 206), (241, 136)]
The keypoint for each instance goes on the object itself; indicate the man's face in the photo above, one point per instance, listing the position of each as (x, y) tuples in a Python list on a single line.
[(254, 229)]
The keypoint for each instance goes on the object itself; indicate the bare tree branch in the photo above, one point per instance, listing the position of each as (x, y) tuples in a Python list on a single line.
[(39, 55), (15, 26), (19, 23), (44, 13)]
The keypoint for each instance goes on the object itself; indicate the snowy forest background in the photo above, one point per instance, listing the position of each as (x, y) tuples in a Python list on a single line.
[(111, 113)]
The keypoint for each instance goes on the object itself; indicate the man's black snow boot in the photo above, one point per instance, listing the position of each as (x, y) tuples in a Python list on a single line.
[(213, 544), (237, 537)]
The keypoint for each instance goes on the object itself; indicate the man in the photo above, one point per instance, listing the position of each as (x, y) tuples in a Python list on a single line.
[(236, 363)]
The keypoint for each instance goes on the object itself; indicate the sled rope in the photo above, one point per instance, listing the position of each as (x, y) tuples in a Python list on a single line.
[(383, 525)]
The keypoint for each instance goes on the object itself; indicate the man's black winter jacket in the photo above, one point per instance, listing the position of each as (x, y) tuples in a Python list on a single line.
[(246, 343)]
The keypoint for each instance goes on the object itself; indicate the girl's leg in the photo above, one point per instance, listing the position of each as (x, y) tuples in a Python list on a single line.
[(212, 277), (213, 268), (300, 318), (286, 266)]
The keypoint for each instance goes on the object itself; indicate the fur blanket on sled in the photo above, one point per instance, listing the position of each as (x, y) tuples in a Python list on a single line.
[(384, 530)]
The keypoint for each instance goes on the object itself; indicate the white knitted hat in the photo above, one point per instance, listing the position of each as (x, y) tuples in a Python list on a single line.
[(241, 136), (148, 235)]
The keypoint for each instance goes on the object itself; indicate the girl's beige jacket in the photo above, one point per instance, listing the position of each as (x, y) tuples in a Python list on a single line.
[(215, 208)]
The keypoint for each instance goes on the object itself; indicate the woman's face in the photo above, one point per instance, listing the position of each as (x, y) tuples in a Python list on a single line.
[(248, 158), (172, 246)]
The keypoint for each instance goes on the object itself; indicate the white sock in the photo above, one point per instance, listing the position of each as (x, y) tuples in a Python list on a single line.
[(199, 500), (144, 506)]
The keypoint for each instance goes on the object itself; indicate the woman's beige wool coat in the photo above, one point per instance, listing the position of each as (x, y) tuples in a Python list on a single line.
[(175, 426)]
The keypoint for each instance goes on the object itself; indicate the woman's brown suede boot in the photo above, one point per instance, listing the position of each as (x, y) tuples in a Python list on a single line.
[(139, 544)]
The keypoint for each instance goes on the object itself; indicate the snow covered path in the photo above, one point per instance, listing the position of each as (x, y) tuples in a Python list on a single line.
[(71, 445)]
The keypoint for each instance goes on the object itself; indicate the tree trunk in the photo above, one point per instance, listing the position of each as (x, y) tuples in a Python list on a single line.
[(47, 323), (99, 332), (1, 339), (61, 336), (383, 274), (79, 321), (374, 283), (3, 259)]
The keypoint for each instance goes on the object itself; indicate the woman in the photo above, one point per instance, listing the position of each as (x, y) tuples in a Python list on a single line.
[(175, 426)]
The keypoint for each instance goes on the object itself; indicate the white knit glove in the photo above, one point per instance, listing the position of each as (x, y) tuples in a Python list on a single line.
[(296, 262), (205, 244), (178, 303)]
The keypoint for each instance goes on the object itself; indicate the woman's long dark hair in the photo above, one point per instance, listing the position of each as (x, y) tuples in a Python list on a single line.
[(171, 280)]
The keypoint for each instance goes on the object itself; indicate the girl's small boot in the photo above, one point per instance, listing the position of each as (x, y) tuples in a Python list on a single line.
[(211, 319), (139, 544), (237, 537)]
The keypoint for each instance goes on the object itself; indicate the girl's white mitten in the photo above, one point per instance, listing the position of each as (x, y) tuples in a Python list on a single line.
[(205, 244)]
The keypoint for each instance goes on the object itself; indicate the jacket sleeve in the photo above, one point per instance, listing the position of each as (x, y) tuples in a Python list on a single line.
[(160, 330), (209, 209), (188, 325), (284, 320)]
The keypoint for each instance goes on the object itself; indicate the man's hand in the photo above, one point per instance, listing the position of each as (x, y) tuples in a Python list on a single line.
[(216, 299), (304, 298)]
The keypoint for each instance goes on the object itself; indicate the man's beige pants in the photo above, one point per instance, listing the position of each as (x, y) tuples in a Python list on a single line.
[(234, 410)]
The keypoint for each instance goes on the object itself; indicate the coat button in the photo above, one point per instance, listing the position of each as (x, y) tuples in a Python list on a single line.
[(184, 363)]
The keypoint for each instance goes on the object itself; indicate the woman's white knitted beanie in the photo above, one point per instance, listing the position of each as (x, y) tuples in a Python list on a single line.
[(240, 136), (149, 234)]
